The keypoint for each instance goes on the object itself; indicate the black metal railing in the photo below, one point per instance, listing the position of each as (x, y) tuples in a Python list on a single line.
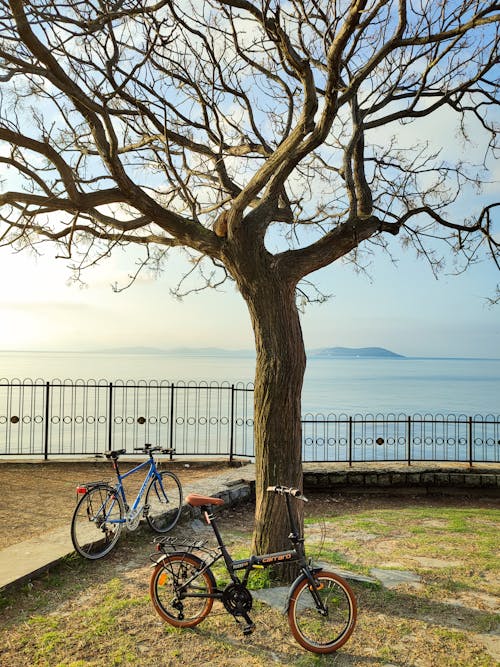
[(75, 418), (400, 437)]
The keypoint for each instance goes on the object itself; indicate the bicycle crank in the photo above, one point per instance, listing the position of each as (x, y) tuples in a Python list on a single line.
[(238, 601), (134, 518)]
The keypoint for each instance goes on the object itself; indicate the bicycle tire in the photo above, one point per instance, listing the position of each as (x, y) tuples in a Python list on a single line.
[(181, 608), (164, 505), (92, 533), (312, 630)]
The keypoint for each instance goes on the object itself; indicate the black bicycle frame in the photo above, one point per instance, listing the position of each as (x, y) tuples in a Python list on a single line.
[(295, 555)]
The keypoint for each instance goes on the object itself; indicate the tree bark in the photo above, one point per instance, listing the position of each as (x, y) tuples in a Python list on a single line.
[(279, 374)]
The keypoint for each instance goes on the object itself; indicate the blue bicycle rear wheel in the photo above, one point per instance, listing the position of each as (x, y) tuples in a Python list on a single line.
[(97, 522)]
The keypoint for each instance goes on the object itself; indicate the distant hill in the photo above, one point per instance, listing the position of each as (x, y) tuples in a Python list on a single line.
[(355, 352), (330, 352)]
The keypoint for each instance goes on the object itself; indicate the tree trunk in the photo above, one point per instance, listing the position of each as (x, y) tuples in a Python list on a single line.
[(279, 374)]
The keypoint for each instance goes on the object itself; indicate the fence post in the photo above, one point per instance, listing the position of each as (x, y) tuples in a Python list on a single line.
[(471, 457), (350, 440), (171, 435), (47, 413), (110, 417), (408, 440), (231, 434)]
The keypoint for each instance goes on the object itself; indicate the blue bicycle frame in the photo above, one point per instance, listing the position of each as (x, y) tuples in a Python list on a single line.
[(151, 474)]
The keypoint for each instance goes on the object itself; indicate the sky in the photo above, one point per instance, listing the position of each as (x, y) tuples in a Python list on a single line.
[(402, 308)]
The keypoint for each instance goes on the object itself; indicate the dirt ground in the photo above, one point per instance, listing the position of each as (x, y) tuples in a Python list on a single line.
[(39, 497)]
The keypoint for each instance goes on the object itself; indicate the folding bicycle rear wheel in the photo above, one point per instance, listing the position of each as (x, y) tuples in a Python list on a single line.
[(180, 604), (97, 522), (312, 630)]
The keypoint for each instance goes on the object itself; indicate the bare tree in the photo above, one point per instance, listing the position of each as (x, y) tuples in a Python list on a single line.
[(219, 125)]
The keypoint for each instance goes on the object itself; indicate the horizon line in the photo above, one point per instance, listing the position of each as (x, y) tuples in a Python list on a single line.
[(145, 350)]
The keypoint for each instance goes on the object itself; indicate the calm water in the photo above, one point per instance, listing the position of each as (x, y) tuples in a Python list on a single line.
[(469, 386)]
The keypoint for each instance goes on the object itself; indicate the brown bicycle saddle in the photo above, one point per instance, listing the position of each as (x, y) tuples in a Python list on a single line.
[(197, 500)]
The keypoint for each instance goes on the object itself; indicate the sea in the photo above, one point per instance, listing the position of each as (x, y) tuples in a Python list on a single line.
[(350, 386)]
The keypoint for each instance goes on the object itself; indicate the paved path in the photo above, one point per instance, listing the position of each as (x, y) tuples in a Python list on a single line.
[(26, 560)]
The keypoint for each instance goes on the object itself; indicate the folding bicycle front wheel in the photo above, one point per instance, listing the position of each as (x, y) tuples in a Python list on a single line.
[(182, 604), (164, 505), (317, 632), (97, 522)]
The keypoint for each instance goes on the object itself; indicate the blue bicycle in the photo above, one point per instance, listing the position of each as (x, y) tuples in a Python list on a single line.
[(102, 510)]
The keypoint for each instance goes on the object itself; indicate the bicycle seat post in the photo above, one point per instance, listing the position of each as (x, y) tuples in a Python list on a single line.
[(205, 503), (114, 463), (211, 521)]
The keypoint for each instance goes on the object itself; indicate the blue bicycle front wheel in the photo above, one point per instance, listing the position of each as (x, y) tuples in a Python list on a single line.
[(163, 502)]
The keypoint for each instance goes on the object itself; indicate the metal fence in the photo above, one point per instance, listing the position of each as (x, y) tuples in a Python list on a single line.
[(75, 418), (400, 437)]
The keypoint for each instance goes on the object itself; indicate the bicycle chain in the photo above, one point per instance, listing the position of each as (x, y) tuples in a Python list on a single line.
[(134, 518), (237, 599)]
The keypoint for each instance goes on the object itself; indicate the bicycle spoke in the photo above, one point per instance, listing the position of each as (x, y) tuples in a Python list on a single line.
[(163, 502), (180, 591), (322, 630), (96, 523)]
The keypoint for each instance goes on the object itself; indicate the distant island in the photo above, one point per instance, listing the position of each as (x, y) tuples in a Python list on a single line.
[(354, 353), (329, 352)]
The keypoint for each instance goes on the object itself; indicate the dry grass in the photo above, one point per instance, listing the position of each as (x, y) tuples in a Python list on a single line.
[(99, 614)]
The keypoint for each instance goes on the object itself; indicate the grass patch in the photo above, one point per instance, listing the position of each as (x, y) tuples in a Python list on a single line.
[(464, 535), (101, 621), (329, 554)]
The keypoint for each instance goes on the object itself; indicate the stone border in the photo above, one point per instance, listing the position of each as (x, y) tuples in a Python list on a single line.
[(234, 492), (398, 480)]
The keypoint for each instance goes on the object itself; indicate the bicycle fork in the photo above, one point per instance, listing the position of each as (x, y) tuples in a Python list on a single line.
[(313, 587)]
